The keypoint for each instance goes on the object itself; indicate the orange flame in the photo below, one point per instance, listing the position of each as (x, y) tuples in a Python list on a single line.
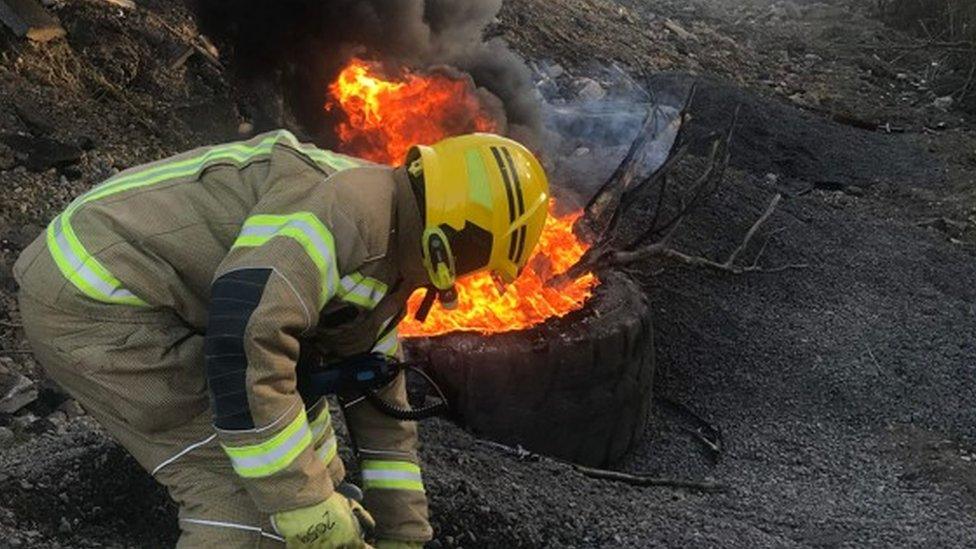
[(525, 303), (384, 118)]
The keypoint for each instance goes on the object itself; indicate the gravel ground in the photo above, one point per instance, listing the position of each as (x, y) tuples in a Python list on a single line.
[(843, 390)]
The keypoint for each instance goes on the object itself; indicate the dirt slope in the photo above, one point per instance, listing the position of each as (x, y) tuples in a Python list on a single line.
[(843, 390)]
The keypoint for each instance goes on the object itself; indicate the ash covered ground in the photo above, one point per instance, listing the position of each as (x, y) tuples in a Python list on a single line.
[(843, 390)]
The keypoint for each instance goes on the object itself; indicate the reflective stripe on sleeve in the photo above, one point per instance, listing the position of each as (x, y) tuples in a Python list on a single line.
[(389, 344), (325, 448), (90, 276), (321, 424), (362, 290), (273, 455), (82, 269), (306, 229), (391, 475), (328, 450)]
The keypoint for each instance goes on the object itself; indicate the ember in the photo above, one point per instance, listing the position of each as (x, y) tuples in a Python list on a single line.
[(384, 118)]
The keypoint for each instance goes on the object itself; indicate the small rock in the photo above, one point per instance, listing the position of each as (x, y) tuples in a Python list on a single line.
[(42, 153), (71, 408), (589, 90), (7, 158), (944, 103), (678, 30), (854, 190), (58, 418), (581, 151), (902, 76), (547, 88), (6, 437), (64, 527), (948, 226), (555, 70), (20, 423), (245, 128), (16, 391), (40, 426)]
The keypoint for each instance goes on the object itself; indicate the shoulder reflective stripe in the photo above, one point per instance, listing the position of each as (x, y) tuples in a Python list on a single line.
[(239, 152), (362, 290), (273, 455), (89, 276), (393, 475), (333, 160), (308, 231), (328, 450), (83, 270)]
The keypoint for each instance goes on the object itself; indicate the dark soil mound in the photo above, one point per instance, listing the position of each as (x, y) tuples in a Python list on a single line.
[(82, 490), (773, 136)]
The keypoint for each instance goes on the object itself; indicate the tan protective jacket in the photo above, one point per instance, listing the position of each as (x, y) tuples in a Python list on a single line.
[(271, 248)]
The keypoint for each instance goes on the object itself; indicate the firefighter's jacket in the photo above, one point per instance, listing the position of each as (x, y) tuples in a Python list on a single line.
[(269, 247)]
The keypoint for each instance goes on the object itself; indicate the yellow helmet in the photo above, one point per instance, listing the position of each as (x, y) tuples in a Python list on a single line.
[(485, 203)]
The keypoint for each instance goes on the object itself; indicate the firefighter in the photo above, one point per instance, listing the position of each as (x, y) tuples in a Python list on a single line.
[(180, 301)]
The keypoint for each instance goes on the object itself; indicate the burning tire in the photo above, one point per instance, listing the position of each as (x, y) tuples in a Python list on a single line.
[(577, 387)]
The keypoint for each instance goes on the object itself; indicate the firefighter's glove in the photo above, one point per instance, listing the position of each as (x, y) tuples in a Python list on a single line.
[(397, 544), (336, 523)]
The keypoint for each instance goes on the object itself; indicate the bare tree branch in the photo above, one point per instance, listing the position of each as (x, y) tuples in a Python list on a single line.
[(663, 249)]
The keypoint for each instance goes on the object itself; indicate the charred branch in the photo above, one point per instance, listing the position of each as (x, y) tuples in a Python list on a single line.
[(663, 249), (613, 195), (608, 252)]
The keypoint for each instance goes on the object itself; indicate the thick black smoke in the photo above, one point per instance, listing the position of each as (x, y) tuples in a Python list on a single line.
[(299, 46)]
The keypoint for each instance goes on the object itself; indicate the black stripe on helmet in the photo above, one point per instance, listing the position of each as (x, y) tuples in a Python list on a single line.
[(519, 235), (515, 178), (521, 245), (508, 184), (513, 244)]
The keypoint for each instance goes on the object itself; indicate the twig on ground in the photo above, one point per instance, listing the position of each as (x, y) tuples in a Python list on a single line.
[(200, 43), (635, 479), (15, 351), (10, 324), (963, 92), (951, 46), (647, 480), (874, 359)]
